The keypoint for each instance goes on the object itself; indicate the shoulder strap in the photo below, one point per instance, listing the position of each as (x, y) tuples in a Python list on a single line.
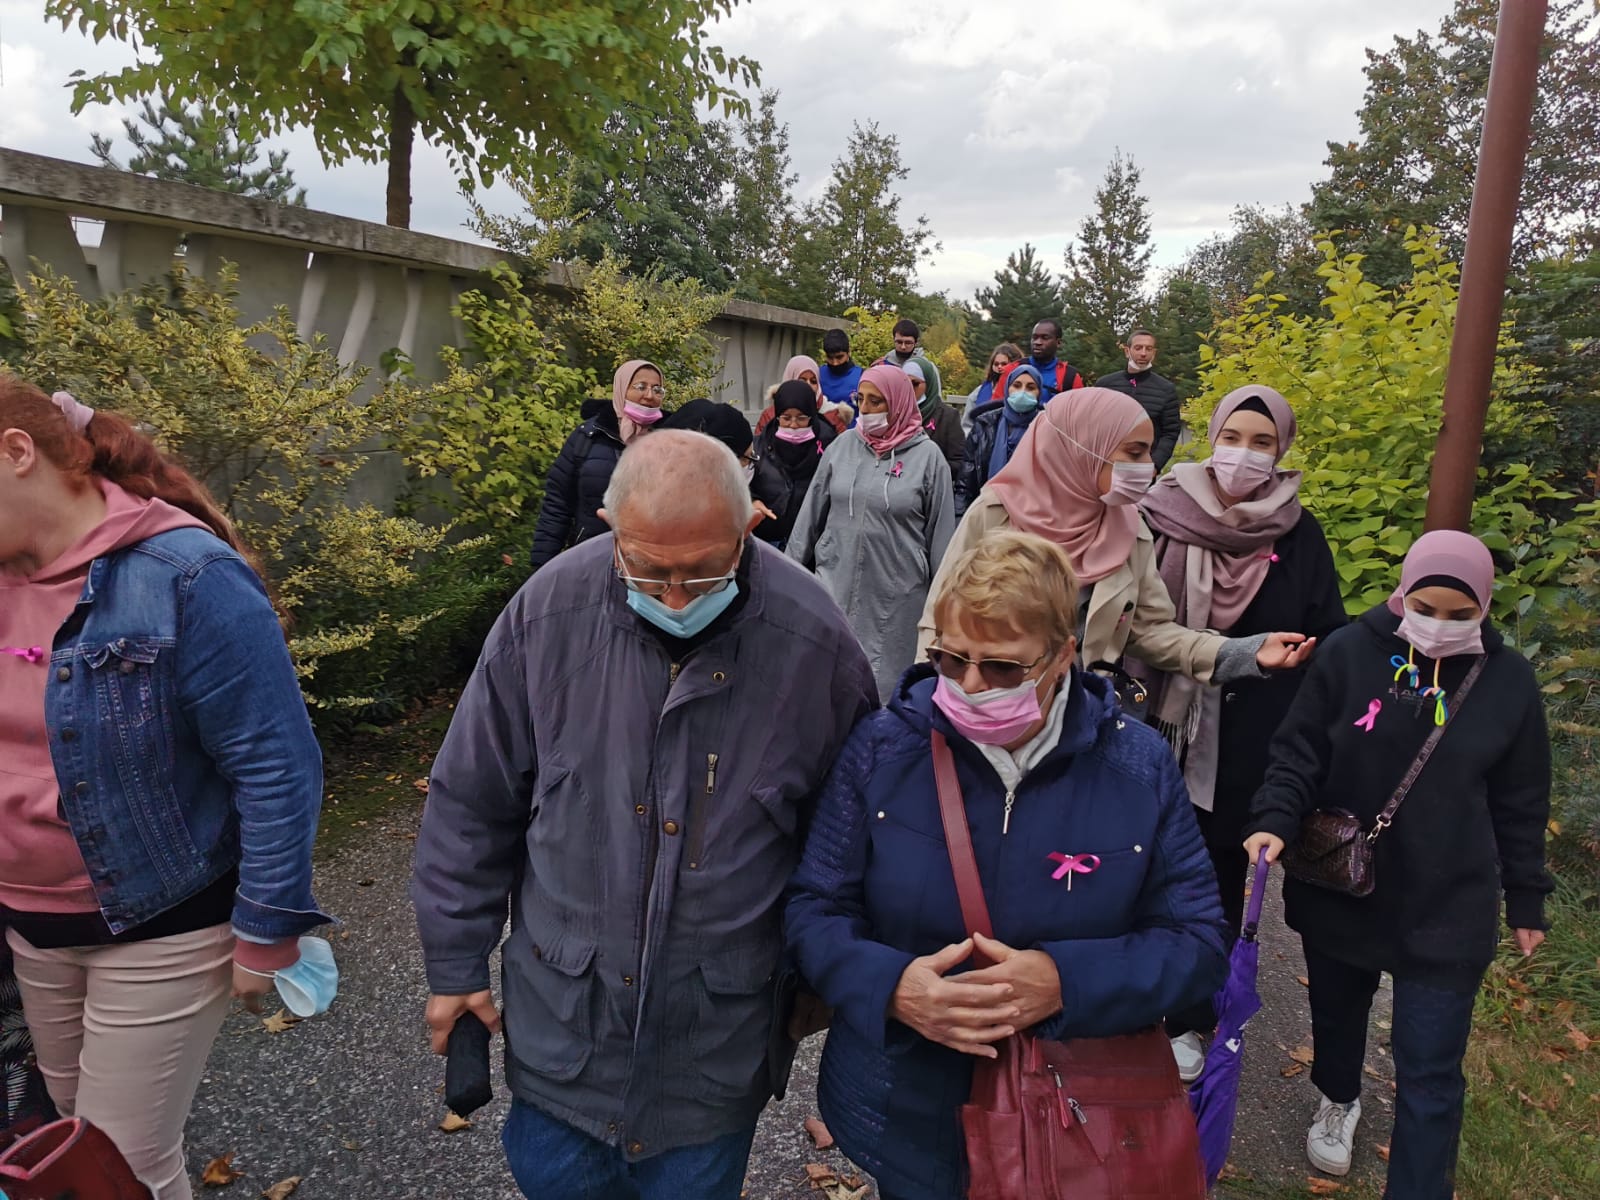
[(958, 841), (1386, 817)]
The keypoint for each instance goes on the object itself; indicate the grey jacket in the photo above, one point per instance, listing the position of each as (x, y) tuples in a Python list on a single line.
[(641, 817), (875, 528)]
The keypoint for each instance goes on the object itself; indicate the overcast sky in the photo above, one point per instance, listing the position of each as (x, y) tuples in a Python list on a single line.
[(1007, 110)]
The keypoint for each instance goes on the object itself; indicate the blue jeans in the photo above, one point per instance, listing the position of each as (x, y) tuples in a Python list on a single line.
[(550, 1159), (1429, 1040)]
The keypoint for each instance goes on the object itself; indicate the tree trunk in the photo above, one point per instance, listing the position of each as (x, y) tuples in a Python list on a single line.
[(402, 133)]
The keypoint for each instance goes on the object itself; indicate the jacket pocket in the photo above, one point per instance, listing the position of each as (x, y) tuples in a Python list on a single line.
[(733, 1017), (554, 995), (125, 673)]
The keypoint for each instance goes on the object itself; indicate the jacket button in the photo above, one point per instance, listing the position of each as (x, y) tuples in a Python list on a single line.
[(68, 734), (1227, 697), (81, 790), (63, 673), (670, 828), (640, 809), (635, 1147), (611, 1126), (128, 668), (627, 981), (718, 677)]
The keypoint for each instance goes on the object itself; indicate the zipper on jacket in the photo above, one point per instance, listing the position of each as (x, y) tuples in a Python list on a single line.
[(697, 814), (1011, 798), (672, 675)]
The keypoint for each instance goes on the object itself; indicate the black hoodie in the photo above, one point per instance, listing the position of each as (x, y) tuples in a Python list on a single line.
[(1472, 826)]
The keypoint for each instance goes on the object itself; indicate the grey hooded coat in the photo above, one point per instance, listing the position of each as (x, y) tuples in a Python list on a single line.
[(640, 817)]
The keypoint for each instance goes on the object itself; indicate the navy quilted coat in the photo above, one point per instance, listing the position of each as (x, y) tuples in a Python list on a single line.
[(575, 488), (1140, 937)]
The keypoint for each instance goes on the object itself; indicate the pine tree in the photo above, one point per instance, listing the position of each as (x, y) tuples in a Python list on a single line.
[(1024, 292), (1103, 292), (1184, 316), (201, 146)]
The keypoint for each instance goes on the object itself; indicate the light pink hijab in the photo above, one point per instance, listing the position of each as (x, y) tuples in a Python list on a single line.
[(1051, 485), (1451, 553), (620, 382), (905, 422), (801, 363)]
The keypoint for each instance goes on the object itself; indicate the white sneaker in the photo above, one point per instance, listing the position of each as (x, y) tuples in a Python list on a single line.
[(1332, 1135), (1190, 1051)]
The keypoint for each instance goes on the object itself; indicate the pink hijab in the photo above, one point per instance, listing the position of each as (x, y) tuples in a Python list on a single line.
[(801, 363), (620, 383), (1051, 485), (1450, 553), (905, 422)]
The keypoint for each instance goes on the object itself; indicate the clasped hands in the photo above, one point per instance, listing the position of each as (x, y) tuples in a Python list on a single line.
[(974, 1010)]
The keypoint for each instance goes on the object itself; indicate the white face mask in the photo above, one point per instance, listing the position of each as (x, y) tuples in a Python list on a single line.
[(1438, 638), (873, 422), (1239, 471), (1129, 482), (1134, 368)]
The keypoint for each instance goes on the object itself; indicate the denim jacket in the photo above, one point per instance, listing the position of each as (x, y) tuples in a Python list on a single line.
[(180, 738)]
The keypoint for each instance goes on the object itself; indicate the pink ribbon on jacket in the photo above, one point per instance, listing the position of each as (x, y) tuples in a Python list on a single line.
[(1371, 719), (1073, 864), (32, 654)]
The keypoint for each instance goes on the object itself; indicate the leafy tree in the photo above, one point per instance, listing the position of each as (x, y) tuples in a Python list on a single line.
[(1184, 317), (1416, 158), (1103, 292), (1231, 265), (1555, 307), (494, 82), (763, 205), (1024, 291), (667, 211), (202, 146)]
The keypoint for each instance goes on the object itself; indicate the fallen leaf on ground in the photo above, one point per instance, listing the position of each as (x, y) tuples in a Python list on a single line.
[(1293, 1069), (840, 1189), (220, 1171), (1302, 1055), (1302, 981), (279, 1021), (282, 1188), (1372, 1074), (1383, 1153), (818, 1174), (1570, 1081), (453, 1123), (421, 785), (1579, 1038), (1230, 1172), (820, 1137), (1323, 1187)]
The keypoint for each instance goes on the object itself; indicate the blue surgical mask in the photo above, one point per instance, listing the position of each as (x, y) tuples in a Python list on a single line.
[(689, 620), (1022, 402), (310, 984)]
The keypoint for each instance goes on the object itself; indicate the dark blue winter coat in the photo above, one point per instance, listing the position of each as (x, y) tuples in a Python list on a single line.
[(575, 488), (1140, 937)]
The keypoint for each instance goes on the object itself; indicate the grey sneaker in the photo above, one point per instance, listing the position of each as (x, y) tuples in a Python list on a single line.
[(1332, 1136), (1190, 1051)]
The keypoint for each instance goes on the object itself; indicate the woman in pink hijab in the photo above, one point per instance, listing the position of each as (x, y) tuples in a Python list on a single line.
[(1422, 678), (1077, 478), (804, 368), (876, 521), (575, 487)]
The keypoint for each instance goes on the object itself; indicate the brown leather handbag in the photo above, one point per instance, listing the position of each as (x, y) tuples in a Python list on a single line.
[(1089, 1119), (1334, 850), (68, 1159)]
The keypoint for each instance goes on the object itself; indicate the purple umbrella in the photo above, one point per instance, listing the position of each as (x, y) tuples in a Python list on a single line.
[(1215, 1095)]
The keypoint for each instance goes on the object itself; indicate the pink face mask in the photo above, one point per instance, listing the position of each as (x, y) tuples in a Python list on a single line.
[(992, 718), (640, 414), (1239, 471), (1438, 638), (798, 436)]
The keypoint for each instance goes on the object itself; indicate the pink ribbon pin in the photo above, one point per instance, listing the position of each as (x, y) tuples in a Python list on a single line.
[(1073, 864), (1371, 719), (32, 654), (898, 468)]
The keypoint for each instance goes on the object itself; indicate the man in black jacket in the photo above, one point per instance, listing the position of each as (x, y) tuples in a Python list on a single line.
[(1155, 392)]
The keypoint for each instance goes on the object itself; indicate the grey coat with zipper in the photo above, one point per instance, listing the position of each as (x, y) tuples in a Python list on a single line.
[(640, 817), (875, 528)]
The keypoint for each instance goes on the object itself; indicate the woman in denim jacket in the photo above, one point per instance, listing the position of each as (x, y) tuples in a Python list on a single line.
[(159, 778)]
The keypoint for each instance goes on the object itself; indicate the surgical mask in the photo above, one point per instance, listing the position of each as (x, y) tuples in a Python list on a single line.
[(1022, 402), (1135, 368), (309, 985), (1438, 638), (798, 436), (689, 620), (873, 422), (641, 414), (991, 718), (1129, 482), (1239, 471)]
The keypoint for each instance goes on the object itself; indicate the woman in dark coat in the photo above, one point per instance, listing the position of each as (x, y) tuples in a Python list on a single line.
[(1239, 555), (575, 488), (1049, 769), (997, 432), (787, 454), (1470, 831)]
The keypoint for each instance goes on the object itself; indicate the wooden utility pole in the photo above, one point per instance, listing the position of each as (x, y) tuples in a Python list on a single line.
[(1502, 155)]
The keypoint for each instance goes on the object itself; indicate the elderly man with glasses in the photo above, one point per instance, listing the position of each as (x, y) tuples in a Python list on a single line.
[(630, 772)]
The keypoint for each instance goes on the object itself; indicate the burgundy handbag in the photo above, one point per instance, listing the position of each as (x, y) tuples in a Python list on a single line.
[(1089, 1119), (68, 1160)]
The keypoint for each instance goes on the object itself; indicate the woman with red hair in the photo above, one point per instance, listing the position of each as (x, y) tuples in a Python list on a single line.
[(159, 778)]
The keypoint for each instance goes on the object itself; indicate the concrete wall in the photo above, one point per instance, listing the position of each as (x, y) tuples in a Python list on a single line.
[(369, 288)]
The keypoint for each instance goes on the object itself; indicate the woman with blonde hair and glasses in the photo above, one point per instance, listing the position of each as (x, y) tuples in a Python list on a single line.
[(1101, 896)]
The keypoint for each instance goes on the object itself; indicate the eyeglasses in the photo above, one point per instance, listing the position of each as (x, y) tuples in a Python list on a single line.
[(996, 672), (647, 389), (658, 588)]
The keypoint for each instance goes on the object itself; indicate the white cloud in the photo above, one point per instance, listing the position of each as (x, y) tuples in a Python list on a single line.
[(1052, 109)]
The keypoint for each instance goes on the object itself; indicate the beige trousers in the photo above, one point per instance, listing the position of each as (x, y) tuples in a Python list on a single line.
[(122, 1035)]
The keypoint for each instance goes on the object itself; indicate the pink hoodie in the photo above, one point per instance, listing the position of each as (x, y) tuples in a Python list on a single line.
[(40, 867)]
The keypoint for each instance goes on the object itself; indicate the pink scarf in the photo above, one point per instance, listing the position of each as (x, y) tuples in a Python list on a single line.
[(905, 422), (1051, 485)]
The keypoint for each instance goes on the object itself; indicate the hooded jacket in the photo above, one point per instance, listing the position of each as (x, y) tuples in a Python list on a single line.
[(996, 420), (640, 816), (1471, 828), (575, 488), (1139, 937)]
